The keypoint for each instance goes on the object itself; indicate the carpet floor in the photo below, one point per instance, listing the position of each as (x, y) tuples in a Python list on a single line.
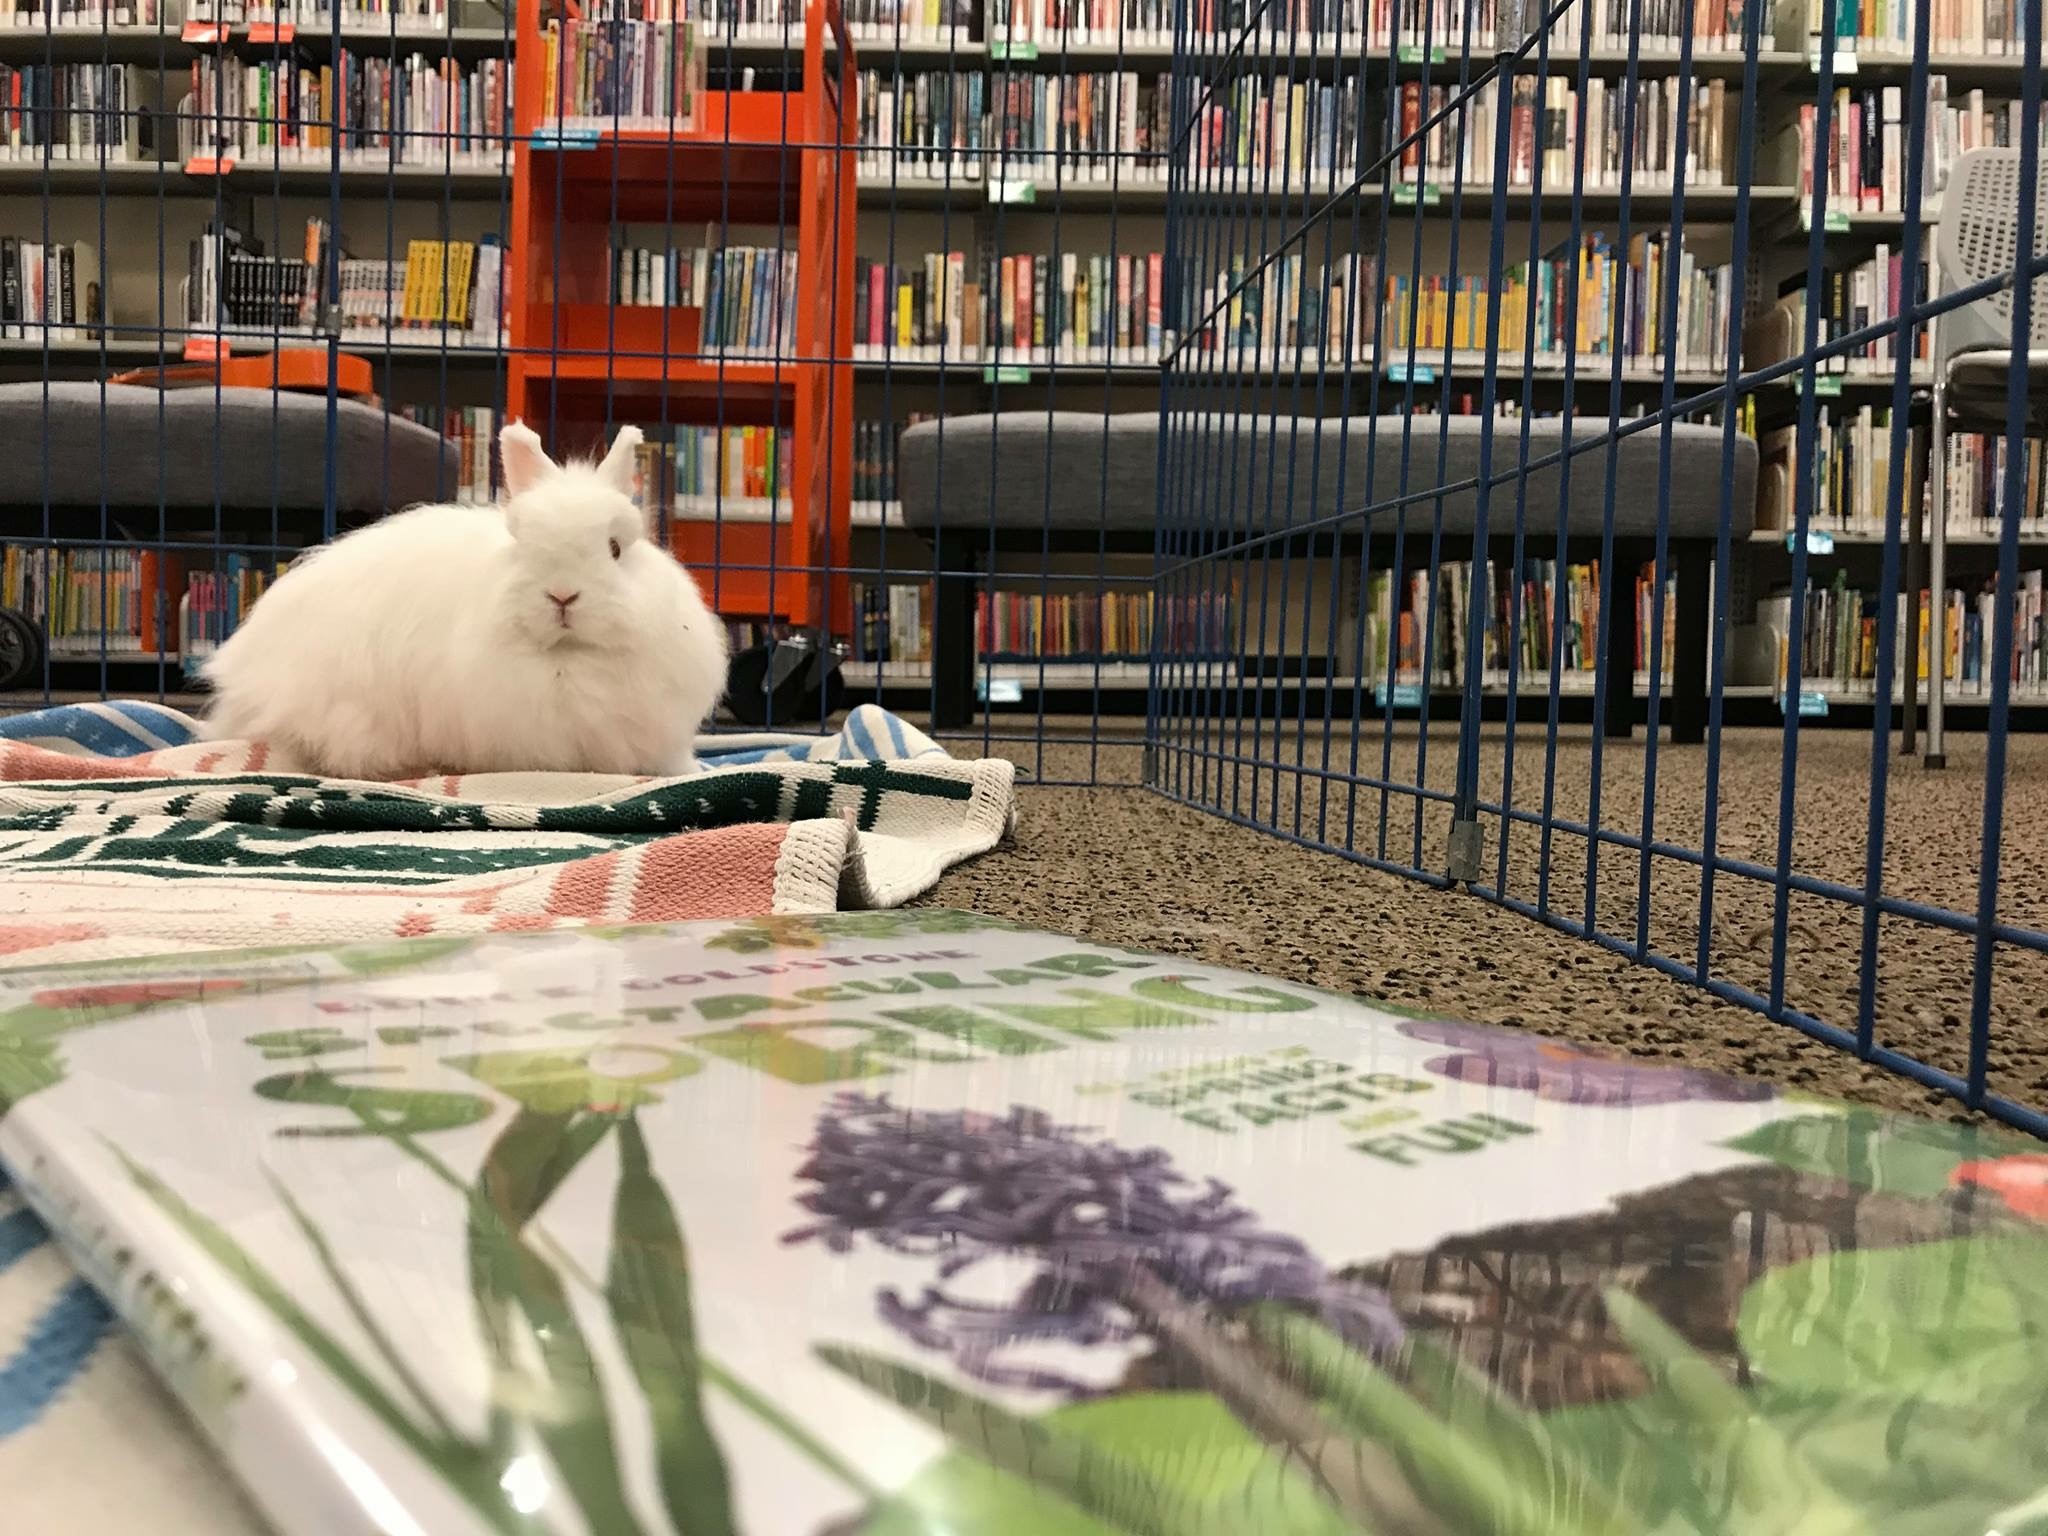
[(1123, 864)]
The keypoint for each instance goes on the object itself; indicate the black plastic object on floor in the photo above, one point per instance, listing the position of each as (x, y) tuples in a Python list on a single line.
[(21, 649), (781, 682)]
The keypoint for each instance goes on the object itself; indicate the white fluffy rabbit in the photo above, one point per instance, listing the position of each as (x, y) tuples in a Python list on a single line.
[(548, 633)]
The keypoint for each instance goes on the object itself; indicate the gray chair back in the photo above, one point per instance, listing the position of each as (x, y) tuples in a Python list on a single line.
[(1978, 238)]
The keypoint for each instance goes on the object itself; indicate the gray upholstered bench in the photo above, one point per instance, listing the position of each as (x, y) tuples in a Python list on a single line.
[(1028, 479), (128, 448)]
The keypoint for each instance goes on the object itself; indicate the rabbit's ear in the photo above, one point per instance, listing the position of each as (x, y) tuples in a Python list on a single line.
[(621, 466), (525, 462)]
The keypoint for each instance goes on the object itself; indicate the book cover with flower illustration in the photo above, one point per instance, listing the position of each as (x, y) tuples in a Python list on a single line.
[(918, 1222)]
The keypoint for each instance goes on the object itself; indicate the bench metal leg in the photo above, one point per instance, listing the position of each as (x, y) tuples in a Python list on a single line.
[(953, 637), (1618, 625), (1693, 565)]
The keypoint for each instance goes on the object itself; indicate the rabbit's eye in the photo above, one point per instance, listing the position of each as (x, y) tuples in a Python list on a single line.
[(615, 549)]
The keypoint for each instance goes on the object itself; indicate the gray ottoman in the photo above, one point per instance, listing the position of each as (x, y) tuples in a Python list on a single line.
[(1078, 479), (128, 448)]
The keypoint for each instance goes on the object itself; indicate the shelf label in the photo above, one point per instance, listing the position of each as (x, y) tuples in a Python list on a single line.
[(273, 32), (203, 32), (1404, 373), (1415, 53), (1827, 386), (1811, 705), (1018, 51), (1407, 194), (210, 165), (1845, 60), (1000, 191), (205, 349), (1406, 695), (1818, 541), (562, 137), (1009, 373), (999, 690), (1834, 222)]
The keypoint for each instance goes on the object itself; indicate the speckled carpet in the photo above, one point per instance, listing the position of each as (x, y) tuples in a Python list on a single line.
[(1130, 866)]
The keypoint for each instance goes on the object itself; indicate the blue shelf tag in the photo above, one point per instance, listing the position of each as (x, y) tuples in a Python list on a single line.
[(999, 690), (1810, 705), (1818, 541), (1403, 373), (565, 138), (1406, 695)]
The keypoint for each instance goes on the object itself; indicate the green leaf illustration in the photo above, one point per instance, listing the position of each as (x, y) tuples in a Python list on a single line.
[(511, 1283), (1960, 1322), (648, 1287), (1770, 1487), (1464, 1479), (1188, 1440), (1120, 1493), (1885, 1153), (471, 1473)]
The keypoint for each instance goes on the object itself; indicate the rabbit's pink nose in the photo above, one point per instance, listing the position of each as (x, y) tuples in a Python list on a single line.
[(563, 600)]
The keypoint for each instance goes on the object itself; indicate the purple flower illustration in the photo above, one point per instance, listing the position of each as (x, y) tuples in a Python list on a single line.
[(1564, 1073), (1115, 1231)]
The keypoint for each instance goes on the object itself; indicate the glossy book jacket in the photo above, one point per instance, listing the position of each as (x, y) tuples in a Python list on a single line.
[(917, 1221)]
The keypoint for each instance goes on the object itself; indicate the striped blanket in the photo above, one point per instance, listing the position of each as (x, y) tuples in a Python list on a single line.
[(123, 834)]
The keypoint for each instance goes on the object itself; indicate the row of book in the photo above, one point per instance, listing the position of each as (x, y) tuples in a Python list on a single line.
[(622, 74), (1099, 126), (1851, 478), (1850, 472), (1868, 143), (1838, 626), (473, 429), (746, 294), (1021, 308), (87, 600), (704, 472), (874, 457), (1113, 127), (1522, 621), (1547, 124), (1599, 302), (71, 112), (1208, 25), (1884, 28), (128, 603), (453, 289), (49, 291), (1852, 298), (415, 110), (892, 623), (446, 287), (315, 15), (81, 15), (216, 600), (1716, 25), (659, 275)]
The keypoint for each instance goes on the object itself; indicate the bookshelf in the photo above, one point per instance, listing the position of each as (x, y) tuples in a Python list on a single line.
[(755, 335), (929, 183)]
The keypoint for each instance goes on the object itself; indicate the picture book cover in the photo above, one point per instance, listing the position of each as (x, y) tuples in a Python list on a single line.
[(919, 1222)]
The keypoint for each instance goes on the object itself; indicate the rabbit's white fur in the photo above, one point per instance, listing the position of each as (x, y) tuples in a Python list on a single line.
[(432, 641)]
